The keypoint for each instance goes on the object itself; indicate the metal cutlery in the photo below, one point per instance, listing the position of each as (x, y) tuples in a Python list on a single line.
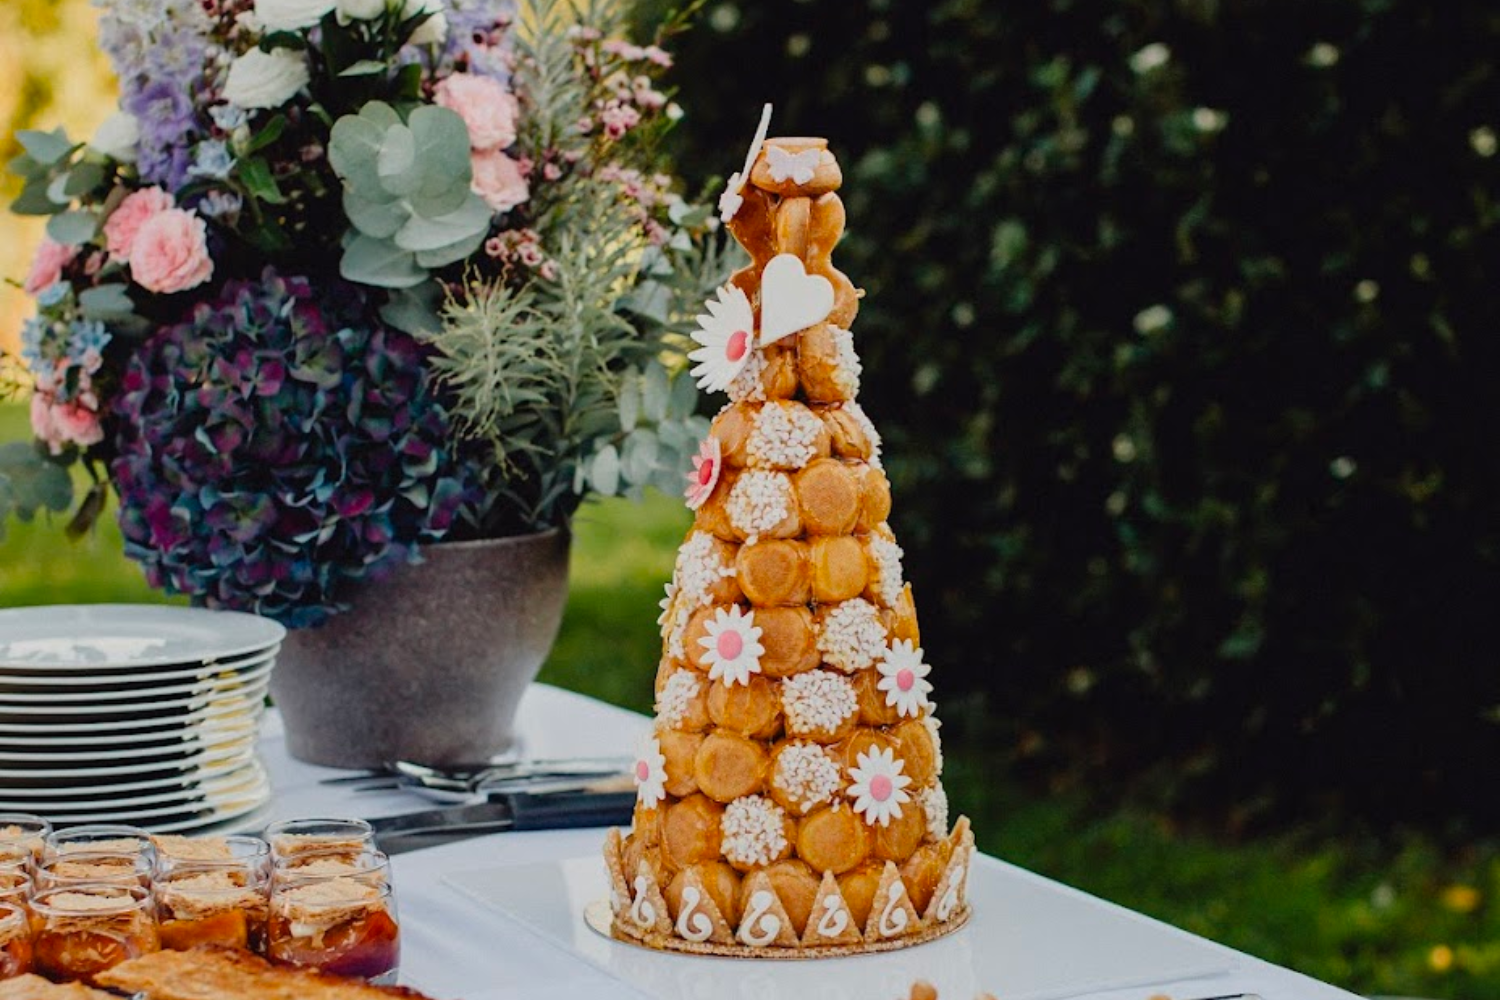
[(462, 781), (607, 803)]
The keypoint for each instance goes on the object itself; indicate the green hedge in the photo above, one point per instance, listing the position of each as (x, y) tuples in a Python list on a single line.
[(1181, 327)]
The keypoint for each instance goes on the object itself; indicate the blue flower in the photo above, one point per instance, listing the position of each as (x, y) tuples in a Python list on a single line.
[(227, 117), (87, 335), (32, 332), (221, 205), (212, 160), (53, 294)]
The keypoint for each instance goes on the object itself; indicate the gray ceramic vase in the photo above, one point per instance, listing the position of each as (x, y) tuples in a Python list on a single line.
[(430, 663)]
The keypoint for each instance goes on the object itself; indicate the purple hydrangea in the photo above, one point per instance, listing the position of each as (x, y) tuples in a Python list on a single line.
[(278, 444), (479, 37)]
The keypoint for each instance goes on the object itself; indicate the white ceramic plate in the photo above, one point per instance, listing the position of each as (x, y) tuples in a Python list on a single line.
[(64, 775), (1029, 939), (119, 754), (209, 729), (249, 792), (179, 785), (164, 707), (64, 729), (44, 681), (248, 819), (228, 784), (229, 682), (91, 636)]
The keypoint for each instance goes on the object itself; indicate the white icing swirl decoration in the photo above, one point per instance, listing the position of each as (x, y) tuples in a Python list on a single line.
[(693, 925), (759, 916)]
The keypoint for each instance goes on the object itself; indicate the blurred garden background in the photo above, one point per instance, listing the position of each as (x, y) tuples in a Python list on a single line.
[(1181, 329)]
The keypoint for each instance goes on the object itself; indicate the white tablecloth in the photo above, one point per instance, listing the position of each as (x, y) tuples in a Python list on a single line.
[(455, 948)]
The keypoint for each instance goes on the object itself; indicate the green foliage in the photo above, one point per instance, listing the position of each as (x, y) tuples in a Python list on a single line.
[(31, 483), (409, 213), (1180, 329), (53, 177)]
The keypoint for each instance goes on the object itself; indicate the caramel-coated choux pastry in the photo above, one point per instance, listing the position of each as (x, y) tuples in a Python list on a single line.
[(902, 835), (761, 504), (847, 437), (720, 881), (905, 625), (833, 839), (778, 379), (705, 570), (923, 870), (828, 497), (863, 741), (827, 364), (680, 750), (774, 573), (753, 227), (774, 173), (636, 851), (859, 887), (791, 645), (645, 824), (697, 628), (873, 710), (786, 435), (805, 776), (752, 709), (840, 568), (732, 429), (682, 700), (874, 500), (819, 705), (713, 516), (729, 765), (916, 747), (796, 886), (690, 832)]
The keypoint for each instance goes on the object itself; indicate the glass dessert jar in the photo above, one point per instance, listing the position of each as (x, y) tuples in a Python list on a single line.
[(297, 836), (369, 866), (82, 867), (15, 941), (112, 838), (23, 835), (79, 931), (341, 925), (212, 904), (236, 852)]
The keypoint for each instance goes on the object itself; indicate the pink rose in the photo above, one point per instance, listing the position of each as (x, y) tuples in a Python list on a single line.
[(77, 424), (125, 223), (42, 424), (499, 181), (170, 253), (46, 268), (486, 107)]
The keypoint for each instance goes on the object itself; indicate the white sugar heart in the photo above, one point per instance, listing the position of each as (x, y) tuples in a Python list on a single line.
[(791, 299)]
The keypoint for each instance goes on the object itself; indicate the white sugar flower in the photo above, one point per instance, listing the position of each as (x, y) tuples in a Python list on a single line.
[(291, 15), (731, 200), (651, 774), (878, 789), (727, 334), (265, 79), (707, 465), (733, 646), (666, 605), (903, 678)]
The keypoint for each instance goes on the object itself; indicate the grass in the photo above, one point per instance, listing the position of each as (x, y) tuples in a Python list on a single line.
[(1387, 912)]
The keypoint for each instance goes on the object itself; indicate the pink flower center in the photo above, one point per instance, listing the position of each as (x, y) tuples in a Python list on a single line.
[(642, 770), (880, 788), (730, 645), (905, 679), (739, 343), (706, 471)]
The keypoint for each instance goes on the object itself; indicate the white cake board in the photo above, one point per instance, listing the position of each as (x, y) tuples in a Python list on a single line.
[(1029, 939)]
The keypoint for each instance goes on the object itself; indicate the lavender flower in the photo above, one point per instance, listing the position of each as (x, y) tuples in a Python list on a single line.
[(478, 37)]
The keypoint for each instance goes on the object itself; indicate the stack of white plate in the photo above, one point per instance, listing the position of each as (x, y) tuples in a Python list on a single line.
[(133, 714)]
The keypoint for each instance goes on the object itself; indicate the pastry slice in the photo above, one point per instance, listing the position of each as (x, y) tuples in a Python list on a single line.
[(619, 892), (648, 910), (830, 922), (765, 921), (29, 987), (698, 916), (229, 974), (891, 914)]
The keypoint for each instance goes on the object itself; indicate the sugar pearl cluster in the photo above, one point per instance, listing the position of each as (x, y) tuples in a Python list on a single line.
[(852, 637), (759, 502), (747, 386), (754, 831), (699, 569), (784, 436), (847, 376), (676, 696), (867, 425), (886, 555), (808, 774), (818, 700)]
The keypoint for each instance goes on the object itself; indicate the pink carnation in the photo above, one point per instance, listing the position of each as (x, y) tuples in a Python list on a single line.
[(487, 108), (170, 253), (499, 181), (59, 424), (46, 268), (125, 222)]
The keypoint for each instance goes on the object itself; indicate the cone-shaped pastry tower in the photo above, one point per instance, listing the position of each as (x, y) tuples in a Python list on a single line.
[(790, 798)]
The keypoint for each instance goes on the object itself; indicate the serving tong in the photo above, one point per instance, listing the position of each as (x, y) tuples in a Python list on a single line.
[(465, 782)]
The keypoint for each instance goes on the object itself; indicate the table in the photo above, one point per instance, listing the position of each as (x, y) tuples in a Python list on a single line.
[(457, 949)]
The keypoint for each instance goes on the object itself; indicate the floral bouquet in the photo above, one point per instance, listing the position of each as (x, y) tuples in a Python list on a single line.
[(344, 277)]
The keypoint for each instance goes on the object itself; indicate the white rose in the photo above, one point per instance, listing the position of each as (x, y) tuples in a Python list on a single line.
[(291, 15), (433, 31), (359, 10), (265, 79), (118, 137)]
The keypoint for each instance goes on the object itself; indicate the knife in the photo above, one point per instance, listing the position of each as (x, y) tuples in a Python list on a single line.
[(560, 810)]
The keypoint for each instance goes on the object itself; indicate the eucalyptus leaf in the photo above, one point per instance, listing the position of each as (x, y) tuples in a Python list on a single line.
[(47, 148), (400, 173), (443, 138), (106, 302), (414, 310), (25, 165), (638, 461), (684, 399), (34, 483), (655, 393), (380, 219), (604, 471), (369, 261), (630, 401), (82, 179), (72, 228), (57, 188), (453, 252), (472, 217), (354, 147), (33, 200)]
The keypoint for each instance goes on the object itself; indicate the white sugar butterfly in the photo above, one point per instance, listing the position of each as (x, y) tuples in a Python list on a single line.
[(800, 167)]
